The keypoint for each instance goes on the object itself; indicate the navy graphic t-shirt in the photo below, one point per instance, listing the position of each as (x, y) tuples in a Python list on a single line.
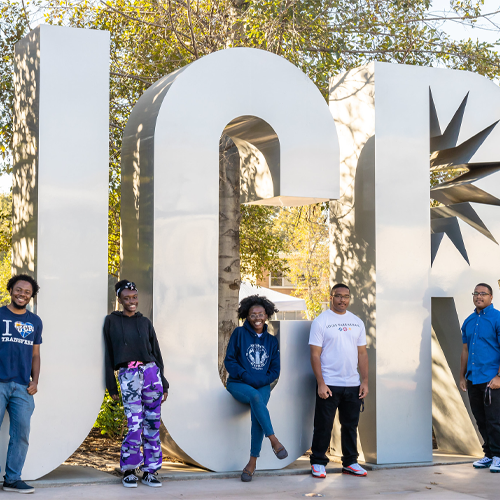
[(18, 333)]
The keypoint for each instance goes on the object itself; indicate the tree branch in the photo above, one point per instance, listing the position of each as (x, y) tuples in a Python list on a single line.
[(130, 17), (460, 18), (174, 31), (190, 22), (133, 77), (381, 51), (26, 15)]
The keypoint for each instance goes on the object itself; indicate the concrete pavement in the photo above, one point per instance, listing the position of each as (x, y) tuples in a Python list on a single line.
[(66, 475), (450, 482)]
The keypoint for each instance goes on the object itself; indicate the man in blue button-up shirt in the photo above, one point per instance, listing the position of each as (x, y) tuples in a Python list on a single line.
[(479, 373)]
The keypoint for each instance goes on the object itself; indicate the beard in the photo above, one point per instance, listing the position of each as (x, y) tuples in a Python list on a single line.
[(17, 306)]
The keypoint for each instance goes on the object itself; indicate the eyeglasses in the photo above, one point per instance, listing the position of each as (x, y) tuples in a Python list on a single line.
[(257, 316), (480, 294), (347, 297)]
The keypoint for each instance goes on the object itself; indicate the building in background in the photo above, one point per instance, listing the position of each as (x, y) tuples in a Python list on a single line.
[(279, 283)]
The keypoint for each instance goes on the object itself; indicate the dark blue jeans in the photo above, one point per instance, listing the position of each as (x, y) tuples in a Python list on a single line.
[(261, 421), (15, 399)]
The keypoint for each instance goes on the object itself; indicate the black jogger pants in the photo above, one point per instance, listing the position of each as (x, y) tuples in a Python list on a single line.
[(346, 399)]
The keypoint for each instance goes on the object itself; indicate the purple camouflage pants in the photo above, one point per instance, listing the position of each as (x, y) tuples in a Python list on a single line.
[(142, 391)]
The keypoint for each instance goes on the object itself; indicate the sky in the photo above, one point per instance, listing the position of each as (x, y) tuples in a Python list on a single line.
[(486, 30)]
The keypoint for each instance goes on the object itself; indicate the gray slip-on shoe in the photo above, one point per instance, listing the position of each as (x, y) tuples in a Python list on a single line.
[(246, 476)]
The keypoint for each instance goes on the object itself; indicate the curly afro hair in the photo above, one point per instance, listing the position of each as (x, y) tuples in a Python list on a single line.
[(255, 300), (23, 277)]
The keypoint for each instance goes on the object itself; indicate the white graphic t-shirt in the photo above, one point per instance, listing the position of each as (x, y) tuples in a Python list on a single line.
[(339, 335)]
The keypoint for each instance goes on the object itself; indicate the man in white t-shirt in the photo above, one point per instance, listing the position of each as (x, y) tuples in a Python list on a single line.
[(338, 347)]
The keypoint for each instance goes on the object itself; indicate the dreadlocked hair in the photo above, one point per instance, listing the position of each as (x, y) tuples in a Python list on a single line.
[(255, 300)]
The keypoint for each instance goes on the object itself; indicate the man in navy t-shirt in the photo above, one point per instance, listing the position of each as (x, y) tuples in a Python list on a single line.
[(21, 336)]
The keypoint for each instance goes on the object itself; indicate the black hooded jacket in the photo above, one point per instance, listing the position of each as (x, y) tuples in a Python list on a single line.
[(129, 338)]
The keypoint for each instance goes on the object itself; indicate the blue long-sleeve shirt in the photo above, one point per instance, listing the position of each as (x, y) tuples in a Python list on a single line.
[(481, 333), (251, 359)]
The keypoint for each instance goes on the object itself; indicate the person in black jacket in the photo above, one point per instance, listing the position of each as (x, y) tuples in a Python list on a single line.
[(253, 363), (132, 349)]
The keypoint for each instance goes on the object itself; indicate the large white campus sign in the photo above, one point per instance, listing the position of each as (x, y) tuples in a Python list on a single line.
[(396, 122), (386, 116)]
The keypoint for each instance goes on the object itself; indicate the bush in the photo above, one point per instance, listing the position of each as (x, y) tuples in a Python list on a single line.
[(111, 419)]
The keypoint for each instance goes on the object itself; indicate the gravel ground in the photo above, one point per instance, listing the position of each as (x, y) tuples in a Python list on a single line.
[(102, 453)]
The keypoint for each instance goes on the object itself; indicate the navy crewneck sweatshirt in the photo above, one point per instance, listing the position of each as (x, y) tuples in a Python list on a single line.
[(251, 359)]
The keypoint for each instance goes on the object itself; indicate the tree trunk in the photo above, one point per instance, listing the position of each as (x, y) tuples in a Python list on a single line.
[(229, 244)]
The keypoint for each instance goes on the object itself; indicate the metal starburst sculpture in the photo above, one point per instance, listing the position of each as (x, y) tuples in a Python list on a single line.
[(457, 194)]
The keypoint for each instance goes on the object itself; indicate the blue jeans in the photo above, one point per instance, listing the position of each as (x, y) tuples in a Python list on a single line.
[(15, 399), (261, 421)]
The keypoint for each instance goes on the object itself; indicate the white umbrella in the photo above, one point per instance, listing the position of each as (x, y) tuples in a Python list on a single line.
[(282, 301)]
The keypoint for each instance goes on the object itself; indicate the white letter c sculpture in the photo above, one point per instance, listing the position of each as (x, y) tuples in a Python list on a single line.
[(170, 211)]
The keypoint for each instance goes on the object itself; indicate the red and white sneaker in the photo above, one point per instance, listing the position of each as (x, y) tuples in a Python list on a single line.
[(354, 469), (318, 470)]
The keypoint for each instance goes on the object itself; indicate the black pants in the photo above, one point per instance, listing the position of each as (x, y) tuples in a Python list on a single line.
[(346, 399), (487, 416)]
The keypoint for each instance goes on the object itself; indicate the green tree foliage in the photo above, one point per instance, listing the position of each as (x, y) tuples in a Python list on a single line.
[(304, 232), (444, 175), (150, 38), (14, 24), (5, 246), (322, 37), (5, 223), (260, 247), (5, 275)]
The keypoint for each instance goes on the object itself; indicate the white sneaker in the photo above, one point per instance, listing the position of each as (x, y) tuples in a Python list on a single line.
[(495, 465), (318, 470), (484, 463), (354, 469)]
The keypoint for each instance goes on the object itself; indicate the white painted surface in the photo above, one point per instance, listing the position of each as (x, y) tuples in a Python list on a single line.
[(71, 246), (186, 206), (402, 265), (389, 105), (202, 99)]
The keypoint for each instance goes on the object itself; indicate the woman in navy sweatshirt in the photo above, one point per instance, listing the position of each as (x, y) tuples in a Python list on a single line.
[(253, 363)]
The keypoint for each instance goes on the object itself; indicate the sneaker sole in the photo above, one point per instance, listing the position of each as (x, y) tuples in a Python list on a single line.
[(317, 474), (128, 485), (494, 470), (481, 466), (15, 490), (151, 485), (351, 473)]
